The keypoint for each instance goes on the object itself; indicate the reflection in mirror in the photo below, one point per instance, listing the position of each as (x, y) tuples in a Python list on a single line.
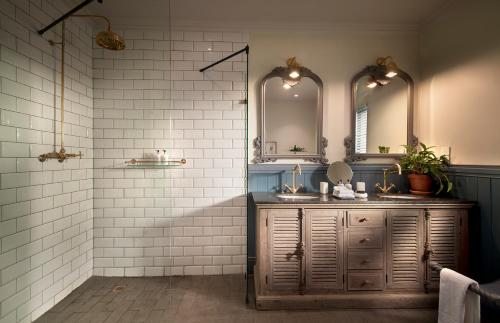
[(381, 114), (291, 116), (291, 125)]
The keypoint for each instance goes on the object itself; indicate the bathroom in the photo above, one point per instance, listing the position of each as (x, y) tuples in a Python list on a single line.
[(141, 174)]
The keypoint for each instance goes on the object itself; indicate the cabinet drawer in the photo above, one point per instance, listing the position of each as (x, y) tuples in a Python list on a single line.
[(365, 260), (365, 280), (368, 238), (368, 218)]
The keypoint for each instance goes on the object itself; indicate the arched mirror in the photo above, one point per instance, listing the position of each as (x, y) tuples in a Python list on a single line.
[(291, 116), (381, 112)]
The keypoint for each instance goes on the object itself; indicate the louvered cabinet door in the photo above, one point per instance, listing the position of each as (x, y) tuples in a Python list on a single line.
[(324, 244), (444, 241), (284, 234), (404, 249)]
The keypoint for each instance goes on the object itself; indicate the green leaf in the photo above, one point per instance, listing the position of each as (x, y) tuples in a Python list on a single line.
[(424, 161)]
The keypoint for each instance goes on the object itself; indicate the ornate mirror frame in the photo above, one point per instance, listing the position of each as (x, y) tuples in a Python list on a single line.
[(259, 152), (349, 141)]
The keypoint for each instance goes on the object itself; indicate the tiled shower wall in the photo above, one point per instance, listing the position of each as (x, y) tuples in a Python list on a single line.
[(185, 221), (45, 208)]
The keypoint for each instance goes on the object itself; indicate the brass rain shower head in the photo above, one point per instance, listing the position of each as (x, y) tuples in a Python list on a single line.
[(107, 39), (110, 40)]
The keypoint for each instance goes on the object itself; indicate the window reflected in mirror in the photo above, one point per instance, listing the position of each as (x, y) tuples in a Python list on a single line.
[(381, 116)]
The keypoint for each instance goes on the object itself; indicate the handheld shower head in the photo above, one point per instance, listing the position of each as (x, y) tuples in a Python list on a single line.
[(107, 39)]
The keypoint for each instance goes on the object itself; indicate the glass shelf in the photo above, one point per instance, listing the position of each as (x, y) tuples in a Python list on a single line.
[(151, 163)]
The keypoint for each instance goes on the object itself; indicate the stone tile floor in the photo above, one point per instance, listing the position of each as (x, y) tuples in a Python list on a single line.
[(191, 299)]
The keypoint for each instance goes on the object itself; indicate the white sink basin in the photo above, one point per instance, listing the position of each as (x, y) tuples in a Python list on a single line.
[(297, 196), (401, 196)]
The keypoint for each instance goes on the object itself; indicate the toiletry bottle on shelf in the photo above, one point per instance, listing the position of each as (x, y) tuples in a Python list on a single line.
[(163, 156)]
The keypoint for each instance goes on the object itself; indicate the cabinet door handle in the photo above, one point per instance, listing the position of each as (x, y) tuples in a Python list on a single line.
[(365, 240), (363, 220)]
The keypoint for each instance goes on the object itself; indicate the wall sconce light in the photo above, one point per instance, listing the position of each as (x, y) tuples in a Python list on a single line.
[(293, 71), (391, 69), (293, 68)]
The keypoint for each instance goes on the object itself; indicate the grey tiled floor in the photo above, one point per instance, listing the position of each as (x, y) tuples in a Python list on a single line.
[(190, 299)]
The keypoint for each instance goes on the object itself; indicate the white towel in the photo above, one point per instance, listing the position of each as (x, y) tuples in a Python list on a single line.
[(343, 195), (457, 304), (360, 195), (340, 188)]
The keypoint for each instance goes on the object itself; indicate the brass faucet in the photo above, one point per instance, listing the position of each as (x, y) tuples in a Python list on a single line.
[(386, 189), (294, 189), (60, 155)]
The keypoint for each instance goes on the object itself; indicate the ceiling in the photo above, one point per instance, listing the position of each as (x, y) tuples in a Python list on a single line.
[(263, 14)]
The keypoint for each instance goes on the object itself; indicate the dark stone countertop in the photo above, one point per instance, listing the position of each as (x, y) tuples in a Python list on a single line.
[(270, 198)]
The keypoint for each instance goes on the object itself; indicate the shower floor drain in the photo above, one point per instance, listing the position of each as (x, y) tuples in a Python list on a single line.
[(118, 289)]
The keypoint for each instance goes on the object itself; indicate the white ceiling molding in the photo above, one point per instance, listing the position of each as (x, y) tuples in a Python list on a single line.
[(120, 23), (242, 26), (261, 15)]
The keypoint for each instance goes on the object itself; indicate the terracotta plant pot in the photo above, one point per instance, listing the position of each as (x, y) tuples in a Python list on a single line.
[(420, 184)]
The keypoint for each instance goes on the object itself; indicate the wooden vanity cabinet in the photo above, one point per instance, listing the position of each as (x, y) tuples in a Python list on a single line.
[(405, 248), (294, 242), (448, 241), (284, 266), (312, 256), (324, 250), (366, 239)]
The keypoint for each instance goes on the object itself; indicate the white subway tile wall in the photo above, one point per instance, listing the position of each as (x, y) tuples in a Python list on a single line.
[(189, 220), (46, 209)]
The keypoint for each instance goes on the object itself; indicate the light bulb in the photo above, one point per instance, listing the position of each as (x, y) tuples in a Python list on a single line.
[(391, 74), (392, 70), (294, 74), (295, 95), (383, 81), (287, 86)]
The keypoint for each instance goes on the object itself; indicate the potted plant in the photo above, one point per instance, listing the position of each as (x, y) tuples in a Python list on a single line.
[(383, 149), (296, 149), (423, 167)]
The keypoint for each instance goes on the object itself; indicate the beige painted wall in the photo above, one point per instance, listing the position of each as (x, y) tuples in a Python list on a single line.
[(335, 56), (460, 82)]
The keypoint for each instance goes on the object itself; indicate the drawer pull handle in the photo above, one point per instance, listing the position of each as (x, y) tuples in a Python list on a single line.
[(365, 240), (365, 261), (363, 220), (366, 282)]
